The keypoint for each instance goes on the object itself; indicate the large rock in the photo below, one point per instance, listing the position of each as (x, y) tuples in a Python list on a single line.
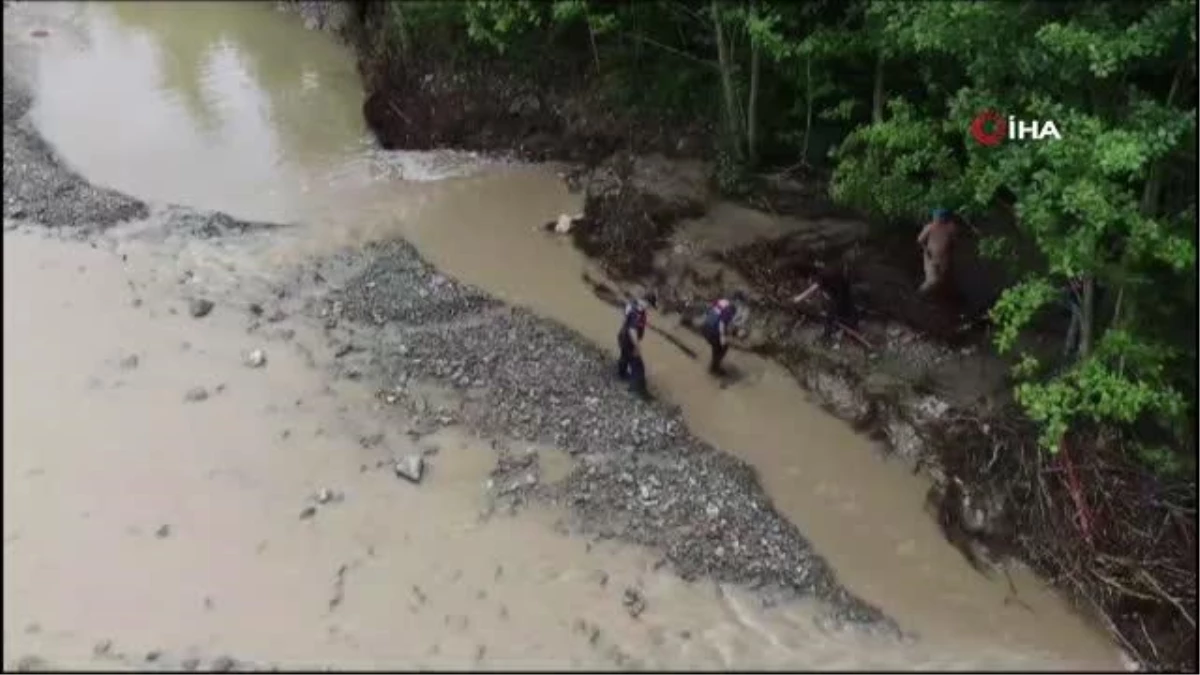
[(663, 189), (321, 14), (632, 205)]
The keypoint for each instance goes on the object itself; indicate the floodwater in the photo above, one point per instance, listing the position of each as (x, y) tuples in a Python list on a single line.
[(235, 107)]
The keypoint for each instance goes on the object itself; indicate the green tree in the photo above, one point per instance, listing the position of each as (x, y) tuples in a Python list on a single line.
[(1091, 203)]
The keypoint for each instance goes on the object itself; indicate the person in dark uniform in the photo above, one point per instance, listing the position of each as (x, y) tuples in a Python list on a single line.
[(717, 327), (630, 365), (836, 282)]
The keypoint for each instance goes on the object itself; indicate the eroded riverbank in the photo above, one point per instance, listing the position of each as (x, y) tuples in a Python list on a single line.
[(647, 480)]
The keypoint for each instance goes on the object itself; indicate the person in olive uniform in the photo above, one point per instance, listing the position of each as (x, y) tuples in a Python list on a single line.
[(937, 241)]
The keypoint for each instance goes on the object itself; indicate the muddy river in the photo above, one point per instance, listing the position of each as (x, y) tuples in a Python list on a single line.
[(236, 107)]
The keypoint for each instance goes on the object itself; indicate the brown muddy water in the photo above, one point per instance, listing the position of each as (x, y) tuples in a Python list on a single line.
[(236, 107)]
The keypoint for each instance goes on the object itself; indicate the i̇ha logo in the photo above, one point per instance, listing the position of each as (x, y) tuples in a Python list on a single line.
[(990, 128)]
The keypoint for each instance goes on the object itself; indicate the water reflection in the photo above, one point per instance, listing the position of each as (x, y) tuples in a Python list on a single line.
[(233, 106), (312, 86)]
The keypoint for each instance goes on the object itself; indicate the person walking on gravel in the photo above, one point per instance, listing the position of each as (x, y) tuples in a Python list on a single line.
[(630, 365), (718, 323)]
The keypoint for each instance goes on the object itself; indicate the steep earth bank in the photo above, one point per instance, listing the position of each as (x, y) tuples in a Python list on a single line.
[(918, 374)]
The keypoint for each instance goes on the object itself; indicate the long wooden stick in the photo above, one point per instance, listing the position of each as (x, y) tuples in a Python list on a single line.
[(610, 297), (856, 335), (804, 296)]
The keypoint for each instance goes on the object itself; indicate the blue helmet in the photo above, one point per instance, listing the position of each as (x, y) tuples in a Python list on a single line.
[(941, 214)]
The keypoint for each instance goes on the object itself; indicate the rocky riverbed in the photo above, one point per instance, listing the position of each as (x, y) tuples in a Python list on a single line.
[(639, 476)]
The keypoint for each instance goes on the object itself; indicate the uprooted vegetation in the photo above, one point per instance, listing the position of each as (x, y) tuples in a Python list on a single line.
[(1086, 324)]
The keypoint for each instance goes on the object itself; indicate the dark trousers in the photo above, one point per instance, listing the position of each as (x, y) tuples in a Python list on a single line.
[(718, 349), (843, 312), (630, 365)]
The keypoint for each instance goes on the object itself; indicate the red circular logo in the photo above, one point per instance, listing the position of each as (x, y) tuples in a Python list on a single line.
[(980, 128)]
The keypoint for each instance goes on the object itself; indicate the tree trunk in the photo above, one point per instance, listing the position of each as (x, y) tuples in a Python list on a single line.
[(592, 39), (808, 108), (1152, 191), (732, 127), (877, 96), (752, 105), (401, 30), (1087, 316)]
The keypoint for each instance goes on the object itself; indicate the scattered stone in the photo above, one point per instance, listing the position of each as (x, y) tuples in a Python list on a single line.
[(326, 495), (256, 309), (200, 308), (370, 441), (153, 655), (196, 395), (190, 664), (411, 468), (130, 362), (255, 359), (102, 648), (33, 664), (223, 664), (634, 603), (163, 531), (308, 512)]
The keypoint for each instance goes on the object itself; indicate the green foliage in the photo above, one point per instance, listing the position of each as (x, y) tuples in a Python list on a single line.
[(1122, 382), (1163, 461), (1112, 203), (497, 23), (1081, 201), (1018, 306), (897, 168)]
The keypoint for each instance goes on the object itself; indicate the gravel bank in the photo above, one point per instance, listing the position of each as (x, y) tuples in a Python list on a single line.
[(639, 475), (39, 187)]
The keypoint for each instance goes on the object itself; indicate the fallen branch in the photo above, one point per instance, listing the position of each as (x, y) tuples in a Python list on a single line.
[(610, 297), (856, 335), (1169, 598)]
